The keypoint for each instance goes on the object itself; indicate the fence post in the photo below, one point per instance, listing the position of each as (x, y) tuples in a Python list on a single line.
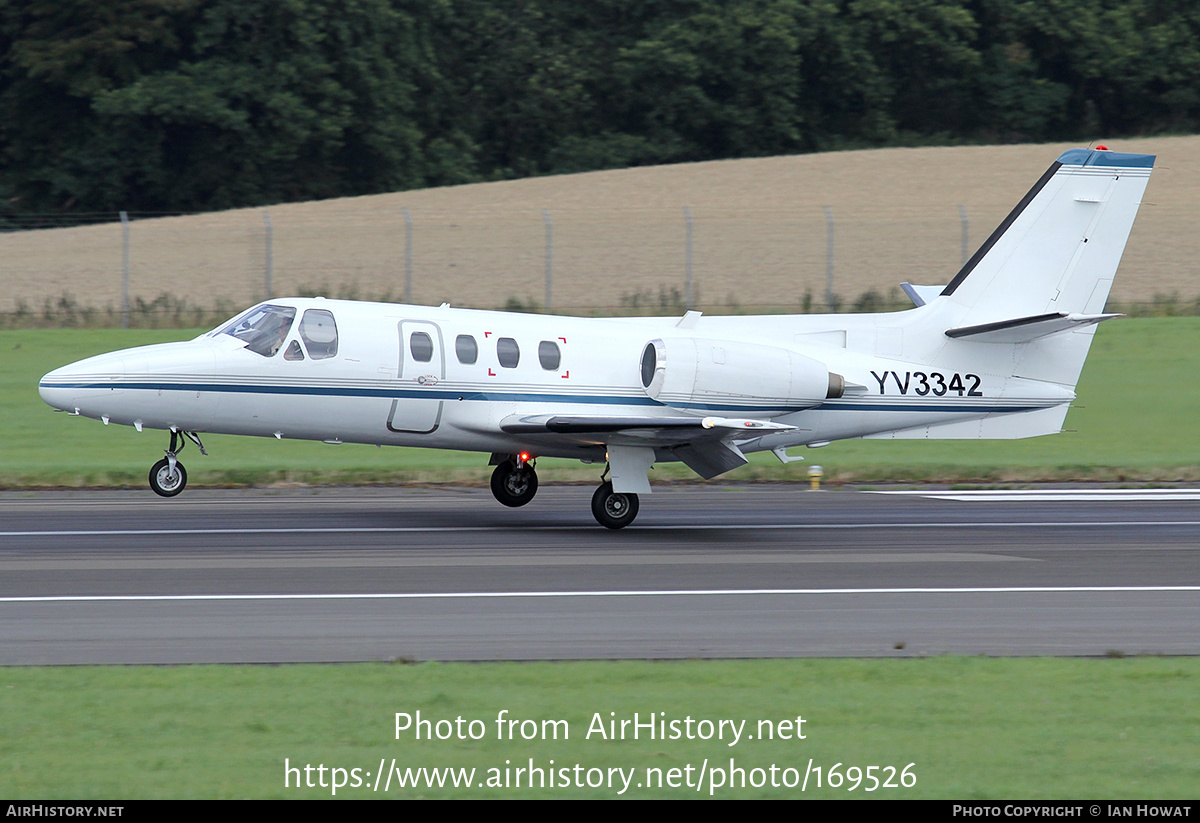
[(549, 255), (828, 257), (687, 262), (962, 218), (269, 262), (124, 270), (408, 237)]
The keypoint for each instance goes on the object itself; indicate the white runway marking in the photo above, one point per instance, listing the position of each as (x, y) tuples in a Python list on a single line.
[(159, 598), (1054, 495), (1025, 524)]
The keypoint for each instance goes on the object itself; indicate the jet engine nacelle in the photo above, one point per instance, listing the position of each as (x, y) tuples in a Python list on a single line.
[(689, 372)]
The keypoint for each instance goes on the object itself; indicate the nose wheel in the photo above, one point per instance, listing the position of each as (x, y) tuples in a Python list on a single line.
[(514, 483), (168, 477), (613, 510)]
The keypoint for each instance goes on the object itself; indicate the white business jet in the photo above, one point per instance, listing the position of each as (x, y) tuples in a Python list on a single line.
[(996, 353)]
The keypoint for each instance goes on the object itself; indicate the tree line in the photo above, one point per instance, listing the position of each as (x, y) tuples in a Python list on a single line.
[(187, 105)]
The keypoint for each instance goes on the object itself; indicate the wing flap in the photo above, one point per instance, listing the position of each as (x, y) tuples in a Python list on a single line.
[(710, 459), (670, 429)]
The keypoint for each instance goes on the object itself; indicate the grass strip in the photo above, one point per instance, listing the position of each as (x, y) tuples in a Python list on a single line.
[(974, 728)]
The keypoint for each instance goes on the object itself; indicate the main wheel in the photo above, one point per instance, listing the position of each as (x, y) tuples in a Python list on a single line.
[(613, 510), (512, 486), (163, 482)]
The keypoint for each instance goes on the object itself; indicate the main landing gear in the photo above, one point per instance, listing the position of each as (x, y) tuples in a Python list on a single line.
[(514, 483), (168, 477), (613, 510)]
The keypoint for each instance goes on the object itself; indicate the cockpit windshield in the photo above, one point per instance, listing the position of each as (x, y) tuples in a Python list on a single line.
[(264, 328)]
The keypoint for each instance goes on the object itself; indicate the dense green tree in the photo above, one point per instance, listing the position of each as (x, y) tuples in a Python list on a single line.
[(201, 104), (517, 80), (56, 56), (237, 103), (277, 100), (1064, 68), (719, 80)]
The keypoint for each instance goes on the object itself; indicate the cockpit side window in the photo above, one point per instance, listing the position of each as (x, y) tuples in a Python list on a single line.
[(319, 332), (264, 328)]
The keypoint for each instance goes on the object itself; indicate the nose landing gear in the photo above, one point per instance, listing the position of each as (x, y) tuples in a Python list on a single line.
[(168, 477)]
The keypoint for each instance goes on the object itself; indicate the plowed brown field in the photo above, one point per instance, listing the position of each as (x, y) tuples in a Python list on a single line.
[(759, 235)]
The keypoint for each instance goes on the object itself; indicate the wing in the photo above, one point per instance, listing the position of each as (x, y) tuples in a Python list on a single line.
[(707, 445)]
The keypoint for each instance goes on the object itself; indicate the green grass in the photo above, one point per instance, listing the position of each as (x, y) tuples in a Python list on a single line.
[(1134, 421), (974, 728)]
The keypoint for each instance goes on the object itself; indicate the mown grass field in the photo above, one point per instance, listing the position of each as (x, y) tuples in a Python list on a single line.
[(1134, 422), (972, 728)]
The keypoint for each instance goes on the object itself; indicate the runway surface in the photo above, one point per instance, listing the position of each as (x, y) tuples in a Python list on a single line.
[(706, 571)]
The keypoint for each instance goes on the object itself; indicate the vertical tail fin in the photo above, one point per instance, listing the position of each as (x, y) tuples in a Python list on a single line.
[(1025, 306), (1040, 281), (1058, 250)]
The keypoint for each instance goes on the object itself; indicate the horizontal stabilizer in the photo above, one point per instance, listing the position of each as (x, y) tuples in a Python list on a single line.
[(1024, 329)]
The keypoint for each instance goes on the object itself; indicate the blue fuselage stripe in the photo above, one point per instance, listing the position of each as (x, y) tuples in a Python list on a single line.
[(924, 406)]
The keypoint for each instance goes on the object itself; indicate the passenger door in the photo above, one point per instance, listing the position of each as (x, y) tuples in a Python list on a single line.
[(422, 368)]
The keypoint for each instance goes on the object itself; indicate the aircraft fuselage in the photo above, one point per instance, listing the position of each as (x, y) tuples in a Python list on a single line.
[(374, 390)]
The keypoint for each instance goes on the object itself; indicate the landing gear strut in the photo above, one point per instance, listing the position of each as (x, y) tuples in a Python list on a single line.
[(613, 510), (514, 482), (168, 477)]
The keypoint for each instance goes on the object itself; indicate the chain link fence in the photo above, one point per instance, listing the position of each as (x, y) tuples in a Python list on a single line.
[(573, 259)]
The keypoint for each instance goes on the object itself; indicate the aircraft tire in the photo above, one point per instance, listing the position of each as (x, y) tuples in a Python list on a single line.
[(512, 486), (163, 483), (613, 510)]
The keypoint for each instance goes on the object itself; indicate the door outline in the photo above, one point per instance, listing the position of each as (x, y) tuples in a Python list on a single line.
[(426, 415)]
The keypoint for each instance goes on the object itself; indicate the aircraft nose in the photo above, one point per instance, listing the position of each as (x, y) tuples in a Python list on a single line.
[(53, 390), (64, 388)]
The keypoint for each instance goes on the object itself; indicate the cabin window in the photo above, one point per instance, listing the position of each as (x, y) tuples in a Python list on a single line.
[(466, 349), (294, 352), (508, 352), (263, 328), (319, 333), (421, 346), (549, 355)]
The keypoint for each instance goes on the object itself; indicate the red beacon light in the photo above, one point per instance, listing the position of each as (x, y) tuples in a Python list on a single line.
[(1101, 148)]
